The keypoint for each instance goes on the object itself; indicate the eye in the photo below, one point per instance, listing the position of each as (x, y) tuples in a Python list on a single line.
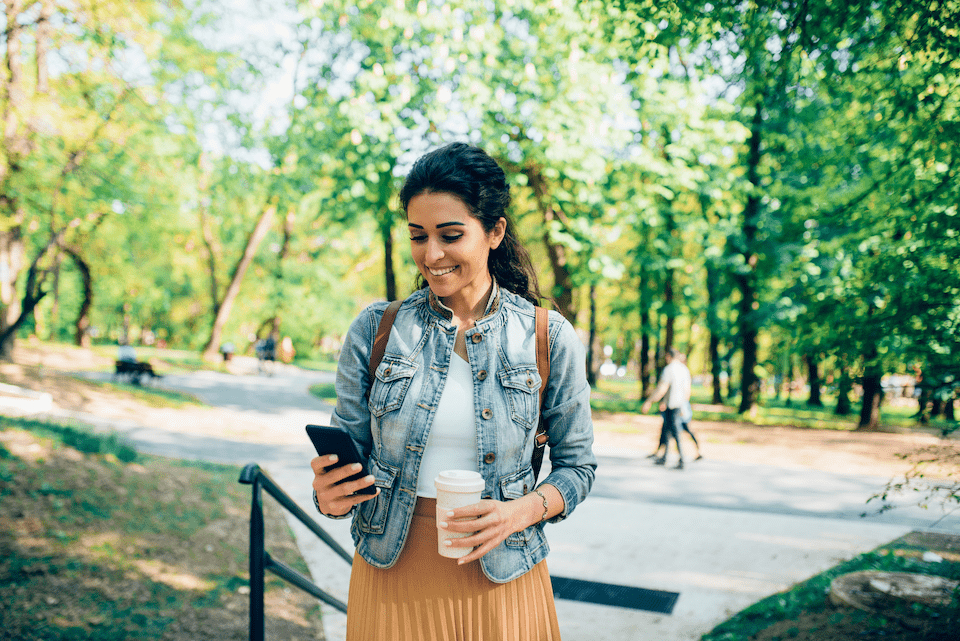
[(417, 239), (452, 238)]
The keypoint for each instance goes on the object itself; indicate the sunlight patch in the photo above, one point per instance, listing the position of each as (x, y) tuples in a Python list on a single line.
[(163, 573)]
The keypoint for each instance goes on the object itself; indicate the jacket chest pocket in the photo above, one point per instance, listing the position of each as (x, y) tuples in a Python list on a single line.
[(390, 384), (522, 387)]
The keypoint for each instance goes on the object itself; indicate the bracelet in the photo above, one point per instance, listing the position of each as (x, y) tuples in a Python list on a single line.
[(546, 508)]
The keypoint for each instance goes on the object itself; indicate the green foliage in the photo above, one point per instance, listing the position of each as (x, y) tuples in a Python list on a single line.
[(625, 131)]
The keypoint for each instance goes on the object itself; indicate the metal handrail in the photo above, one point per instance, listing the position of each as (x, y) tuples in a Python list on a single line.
[(260, 559)]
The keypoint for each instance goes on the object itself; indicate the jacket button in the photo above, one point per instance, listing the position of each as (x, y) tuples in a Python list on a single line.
[(482, 375), (487, 413), (477, 338), (525, 488), (489, 458), (386, 372), (529, 382)]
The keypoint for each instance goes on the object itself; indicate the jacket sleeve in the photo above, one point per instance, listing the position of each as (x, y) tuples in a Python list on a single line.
[(352, 413), (569, 421), (353, 384)]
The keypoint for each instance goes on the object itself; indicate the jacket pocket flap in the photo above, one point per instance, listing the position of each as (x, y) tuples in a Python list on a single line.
[(385, 476), (393, 369), (522, 379), (516, 485)]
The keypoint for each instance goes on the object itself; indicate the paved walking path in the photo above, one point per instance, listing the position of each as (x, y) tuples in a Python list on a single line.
[(723, 535)]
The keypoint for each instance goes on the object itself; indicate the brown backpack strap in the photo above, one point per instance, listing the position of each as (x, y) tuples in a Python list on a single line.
[(383, 335), (543, 366)]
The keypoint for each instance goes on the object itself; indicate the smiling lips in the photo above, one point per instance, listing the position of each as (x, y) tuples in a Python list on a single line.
[(443, 272)]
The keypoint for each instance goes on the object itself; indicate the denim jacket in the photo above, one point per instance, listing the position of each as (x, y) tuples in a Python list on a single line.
[(391, 425)]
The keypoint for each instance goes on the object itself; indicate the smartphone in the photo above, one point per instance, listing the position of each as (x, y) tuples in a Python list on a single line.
[(331, 440)]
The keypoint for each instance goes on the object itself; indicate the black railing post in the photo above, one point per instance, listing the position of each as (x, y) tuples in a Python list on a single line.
[(260, 561), (251, 474)]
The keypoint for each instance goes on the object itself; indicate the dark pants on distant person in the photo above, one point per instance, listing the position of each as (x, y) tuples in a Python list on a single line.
[(672, 425)]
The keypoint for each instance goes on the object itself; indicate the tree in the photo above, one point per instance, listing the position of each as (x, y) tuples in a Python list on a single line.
[(64, 132)]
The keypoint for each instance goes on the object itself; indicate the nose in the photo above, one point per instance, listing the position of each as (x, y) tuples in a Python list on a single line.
[(434, 252)]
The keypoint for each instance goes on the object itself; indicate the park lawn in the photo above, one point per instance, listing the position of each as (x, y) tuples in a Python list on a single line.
[(148, 395), (804, 613), (623, 395), (97, 541)]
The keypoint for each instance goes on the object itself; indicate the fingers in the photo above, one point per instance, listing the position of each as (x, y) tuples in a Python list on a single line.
[(486, 524), (334, 496)]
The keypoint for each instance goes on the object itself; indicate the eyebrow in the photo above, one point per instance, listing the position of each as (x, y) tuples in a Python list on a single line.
[(438, 226)]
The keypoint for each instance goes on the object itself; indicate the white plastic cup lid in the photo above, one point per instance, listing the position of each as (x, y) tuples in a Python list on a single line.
[(459, 481)]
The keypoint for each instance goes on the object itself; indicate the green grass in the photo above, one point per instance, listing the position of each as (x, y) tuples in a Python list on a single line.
[(99, 542), (147, 394), (317, 365), (796, 605), (325, 392), (79, 437), (623, 395)]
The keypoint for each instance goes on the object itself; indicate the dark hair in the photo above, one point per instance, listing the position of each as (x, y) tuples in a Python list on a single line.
[(469, 174)]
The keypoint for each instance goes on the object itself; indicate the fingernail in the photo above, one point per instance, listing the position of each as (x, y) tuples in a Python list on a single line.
[(356, 467), (448, 542), (333, 458), (369, 477), (450, 514), (443, 524)]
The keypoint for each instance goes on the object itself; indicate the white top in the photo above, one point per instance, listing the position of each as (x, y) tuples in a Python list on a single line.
[(452, 443), (677, 376)]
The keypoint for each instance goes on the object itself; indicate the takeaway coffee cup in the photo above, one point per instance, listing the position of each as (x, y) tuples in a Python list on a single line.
[(455, 488)]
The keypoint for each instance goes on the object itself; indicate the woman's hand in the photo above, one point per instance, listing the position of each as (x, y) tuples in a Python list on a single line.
[(493, 521), (336, 499)]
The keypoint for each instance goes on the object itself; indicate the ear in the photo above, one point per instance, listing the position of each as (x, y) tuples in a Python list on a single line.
[(497, 233)]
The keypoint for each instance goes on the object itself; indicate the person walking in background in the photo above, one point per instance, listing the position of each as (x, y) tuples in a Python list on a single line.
[(458, 388), (674, 388), (686, 415)]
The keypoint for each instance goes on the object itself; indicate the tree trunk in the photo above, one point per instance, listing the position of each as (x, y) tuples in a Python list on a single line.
[(562, 282), (713, 325), (81, 337), (813, 374), (562, 293), (389, 271), (669, 310), (34, 294), (288, 223), (44, 31), (646, 366), (209, 241), (749, 384), (844, 386), (872, 395), (11, 264), (210, 351), (12, 251), (670, 226), (592, 342)]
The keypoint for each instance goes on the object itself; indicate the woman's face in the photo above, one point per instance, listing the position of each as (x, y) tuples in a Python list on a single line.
[(450, 246)]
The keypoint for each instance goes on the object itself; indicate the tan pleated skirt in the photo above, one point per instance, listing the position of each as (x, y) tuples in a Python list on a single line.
[(427, 597)]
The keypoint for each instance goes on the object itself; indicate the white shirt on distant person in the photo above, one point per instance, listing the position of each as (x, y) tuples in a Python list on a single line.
[(677, 377)]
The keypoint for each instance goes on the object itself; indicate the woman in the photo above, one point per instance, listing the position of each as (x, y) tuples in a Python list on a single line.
[(458, 388)]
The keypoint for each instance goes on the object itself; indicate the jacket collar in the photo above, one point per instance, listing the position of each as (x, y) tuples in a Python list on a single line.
[(493, 303)]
